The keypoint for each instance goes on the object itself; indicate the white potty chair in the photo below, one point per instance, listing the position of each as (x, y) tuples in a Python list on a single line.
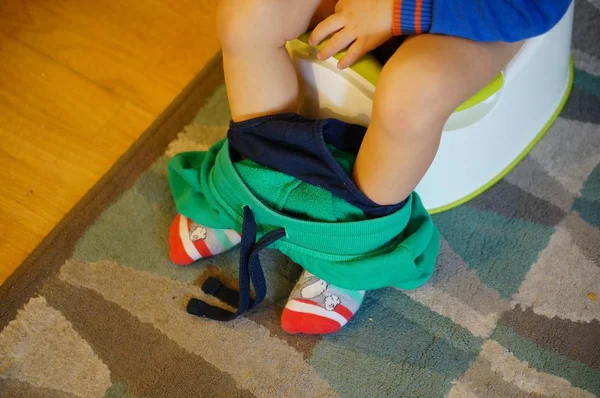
[(484, 138)]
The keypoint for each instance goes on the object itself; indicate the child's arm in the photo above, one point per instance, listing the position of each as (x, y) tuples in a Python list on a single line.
[(362, 25), (486, 21)]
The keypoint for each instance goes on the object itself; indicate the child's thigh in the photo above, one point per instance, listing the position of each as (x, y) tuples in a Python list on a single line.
[(269, 21), (439, 73)]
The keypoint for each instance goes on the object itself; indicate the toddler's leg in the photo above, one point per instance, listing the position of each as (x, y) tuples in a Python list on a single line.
[(259, 74), (260, 80), (427, 78)]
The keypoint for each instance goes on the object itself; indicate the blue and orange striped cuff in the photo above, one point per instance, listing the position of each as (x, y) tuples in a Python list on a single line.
[(412, 16)]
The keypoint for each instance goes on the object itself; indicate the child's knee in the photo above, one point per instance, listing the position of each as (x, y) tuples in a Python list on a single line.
[(247, 25), (244, 24), (409, 100)]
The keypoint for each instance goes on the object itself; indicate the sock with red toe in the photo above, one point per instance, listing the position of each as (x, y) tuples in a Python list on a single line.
[(189, 241), (317, 307)]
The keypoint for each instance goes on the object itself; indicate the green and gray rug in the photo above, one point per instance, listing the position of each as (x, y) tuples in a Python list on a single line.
[(512, 311)]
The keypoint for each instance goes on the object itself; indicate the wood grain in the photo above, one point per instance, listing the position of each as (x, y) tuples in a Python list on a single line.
[(79, 83)]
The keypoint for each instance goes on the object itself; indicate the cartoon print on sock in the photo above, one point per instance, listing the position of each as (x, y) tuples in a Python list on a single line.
[(197, 232), (315, 289), (331, 302)]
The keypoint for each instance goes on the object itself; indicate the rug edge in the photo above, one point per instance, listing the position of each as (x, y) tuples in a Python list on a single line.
[(58, 245)]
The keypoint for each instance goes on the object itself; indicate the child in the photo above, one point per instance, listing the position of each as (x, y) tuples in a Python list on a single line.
[(454, 48)]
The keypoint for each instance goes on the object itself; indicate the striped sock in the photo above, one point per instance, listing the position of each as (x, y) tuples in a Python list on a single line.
[(190, 241), (316, 307)]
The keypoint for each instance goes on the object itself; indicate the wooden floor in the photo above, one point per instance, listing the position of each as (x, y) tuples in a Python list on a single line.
[(79, 82)]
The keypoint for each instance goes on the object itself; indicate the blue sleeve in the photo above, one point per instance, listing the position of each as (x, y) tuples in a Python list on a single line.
[(481, 20)]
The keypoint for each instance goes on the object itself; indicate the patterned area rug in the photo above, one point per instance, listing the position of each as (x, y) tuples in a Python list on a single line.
[(512, 311)]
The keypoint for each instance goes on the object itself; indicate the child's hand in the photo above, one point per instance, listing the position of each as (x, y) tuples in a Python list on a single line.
[(360, 24)]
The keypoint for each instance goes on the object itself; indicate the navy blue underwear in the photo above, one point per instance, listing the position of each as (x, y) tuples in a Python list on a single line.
[(298, 146)]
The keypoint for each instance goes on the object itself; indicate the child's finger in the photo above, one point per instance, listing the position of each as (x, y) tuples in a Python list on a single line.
[(338, 42), (356, 50), (329, 25)]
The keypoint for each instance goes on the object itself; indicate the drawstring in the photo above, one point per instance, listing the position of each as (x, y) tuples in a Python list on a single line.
[(250, 271)]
